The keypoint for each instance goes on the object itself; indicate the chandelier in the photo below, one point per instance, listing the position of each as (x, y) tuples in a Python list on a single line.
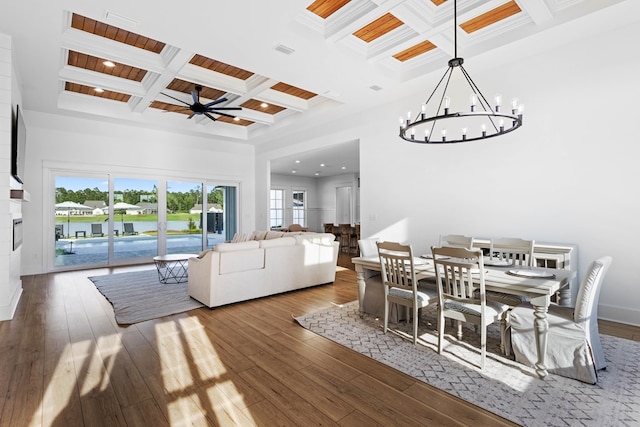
[(436, 123)]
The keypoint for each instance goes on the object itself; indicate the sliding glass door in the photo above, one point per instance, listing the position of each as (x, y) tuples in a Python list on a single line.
[(102, 220), (79, 231), (134, 218)]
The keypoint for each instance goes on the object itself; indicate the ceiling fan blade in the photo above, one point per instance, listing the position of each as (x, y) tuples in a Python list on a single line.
[(172, 97), (223, 114), (210, 116), (195, 96), (214, 109), (217, 101)]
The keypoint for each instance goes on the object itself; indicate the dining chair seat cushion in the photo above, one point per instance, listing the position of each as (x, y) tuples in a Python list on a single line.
[(424, 296), (492, 308), (568, 352)]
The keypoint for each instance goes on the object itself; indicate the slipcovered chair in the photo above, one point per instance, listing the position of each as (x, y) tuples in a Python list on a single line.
[(400, 284), (573, 342)]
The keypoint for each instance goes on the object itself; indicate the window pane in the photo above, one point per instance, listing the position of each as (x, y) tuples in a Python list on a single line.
[(135, 218), (276, 215), (299, 207), (80, 231)]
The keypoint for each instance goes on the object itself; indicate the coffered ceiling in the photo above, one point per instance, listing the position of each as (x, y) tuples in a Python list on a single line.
[(287, 64)]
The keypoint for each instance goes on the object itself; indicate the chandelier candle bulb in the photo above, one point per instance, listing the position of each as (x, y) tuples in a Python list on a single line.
[(444, 135), (464, 134), (447, 103), (426, 135), (514, 105), (423, 113), (501, 125), (498, 102), (473, 100), (484, 131)]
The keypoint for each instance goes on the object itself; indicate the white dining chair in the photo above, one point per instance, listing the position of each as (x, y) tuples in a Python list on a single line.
[(513, 250), (573, 341), (456, 241), (516, 252), (400, 284), (462, 295)]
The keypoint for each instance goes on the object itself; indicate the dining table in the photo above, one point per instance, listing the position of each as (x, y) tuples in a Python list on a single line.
[(537, 284)]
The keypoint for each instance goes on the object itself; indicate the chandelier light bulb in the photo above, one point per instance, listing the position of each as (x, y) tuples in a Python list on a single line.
[(514, 105), (520, 109), (484, 130), (447, 103), (501, 123), (426, 135), (498, 102), (473, 100), (444, 135)]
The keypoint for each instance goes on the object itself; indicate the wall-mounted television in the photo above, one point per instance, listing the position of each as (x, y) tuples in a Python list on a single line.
[(18, 145)]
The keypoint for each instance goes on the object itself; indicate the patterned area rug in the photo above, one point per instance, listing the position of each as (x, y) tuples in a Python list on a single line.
[(504, 387), (139, 296)]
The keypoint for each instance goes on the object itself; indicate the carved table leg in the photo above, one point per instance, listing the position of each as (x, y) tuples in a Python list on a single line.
[(361, 287), (541, 327)]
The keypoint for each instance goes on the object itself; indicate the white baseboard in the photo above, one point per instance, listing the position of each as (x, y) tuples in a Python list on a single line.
[(619, 314), (7, 311)]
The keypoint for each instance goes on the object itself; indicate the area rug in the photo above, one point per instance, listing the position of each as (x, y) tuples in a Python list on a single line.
[(139, 296), (504, 387)]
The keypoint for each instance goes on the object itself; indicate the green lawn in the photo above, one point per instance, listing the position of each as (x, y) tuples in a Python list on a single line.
[(183, 216)]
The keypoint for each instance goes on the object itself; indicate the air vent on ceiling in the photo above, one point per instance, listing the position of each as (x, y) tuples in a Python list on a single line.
[(284, 49), (375, 88)]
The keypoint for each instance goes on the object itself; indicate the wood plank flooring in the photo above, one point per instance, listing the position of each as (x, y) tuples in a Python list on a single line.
[(64, 361)]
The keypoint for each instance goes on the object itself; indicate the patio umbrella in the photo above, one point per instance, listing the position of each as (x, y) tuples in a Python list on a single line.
[(123, 207), (71, 206)]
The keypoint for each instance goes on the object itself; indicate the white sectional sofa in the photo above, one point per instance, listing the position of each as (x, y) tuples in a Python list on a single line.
[(233, 272)]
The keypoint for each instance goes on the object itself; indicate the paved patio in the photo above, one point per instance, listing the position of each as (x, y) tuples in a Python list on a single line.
[(94, 250)]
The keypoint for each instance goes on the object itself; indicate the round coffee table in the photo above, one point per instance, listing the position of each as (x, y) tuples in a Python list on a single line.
[(172, 268)]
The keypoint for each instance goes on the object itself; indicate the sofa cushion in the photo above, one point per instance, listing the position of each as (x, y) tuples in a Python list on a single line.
[(274, 235), (259, 235), (241, 237), (282, 241), (240, 246)]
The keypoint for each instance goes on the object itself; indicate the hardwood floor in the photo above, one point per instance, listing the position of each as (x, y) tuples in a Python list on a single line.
[(65, 362)]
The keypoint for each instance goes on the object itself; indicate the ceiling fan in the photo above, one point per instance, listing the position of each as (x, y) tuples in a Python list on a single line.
[(197, 108)]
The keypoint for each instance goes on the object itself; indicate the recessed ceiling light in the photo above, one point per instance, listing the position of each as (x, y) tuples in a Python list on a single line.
[(109, 64), (297, 161), (98, 89), (321, 165), (344, 167), (237, 119), (317, 173), (264, 105), (293, 171)]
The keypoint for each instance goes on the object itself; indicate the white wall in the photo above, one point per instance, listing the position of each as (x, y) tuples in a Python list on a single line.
[(569, 175), (10, 96), (73, 144)]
